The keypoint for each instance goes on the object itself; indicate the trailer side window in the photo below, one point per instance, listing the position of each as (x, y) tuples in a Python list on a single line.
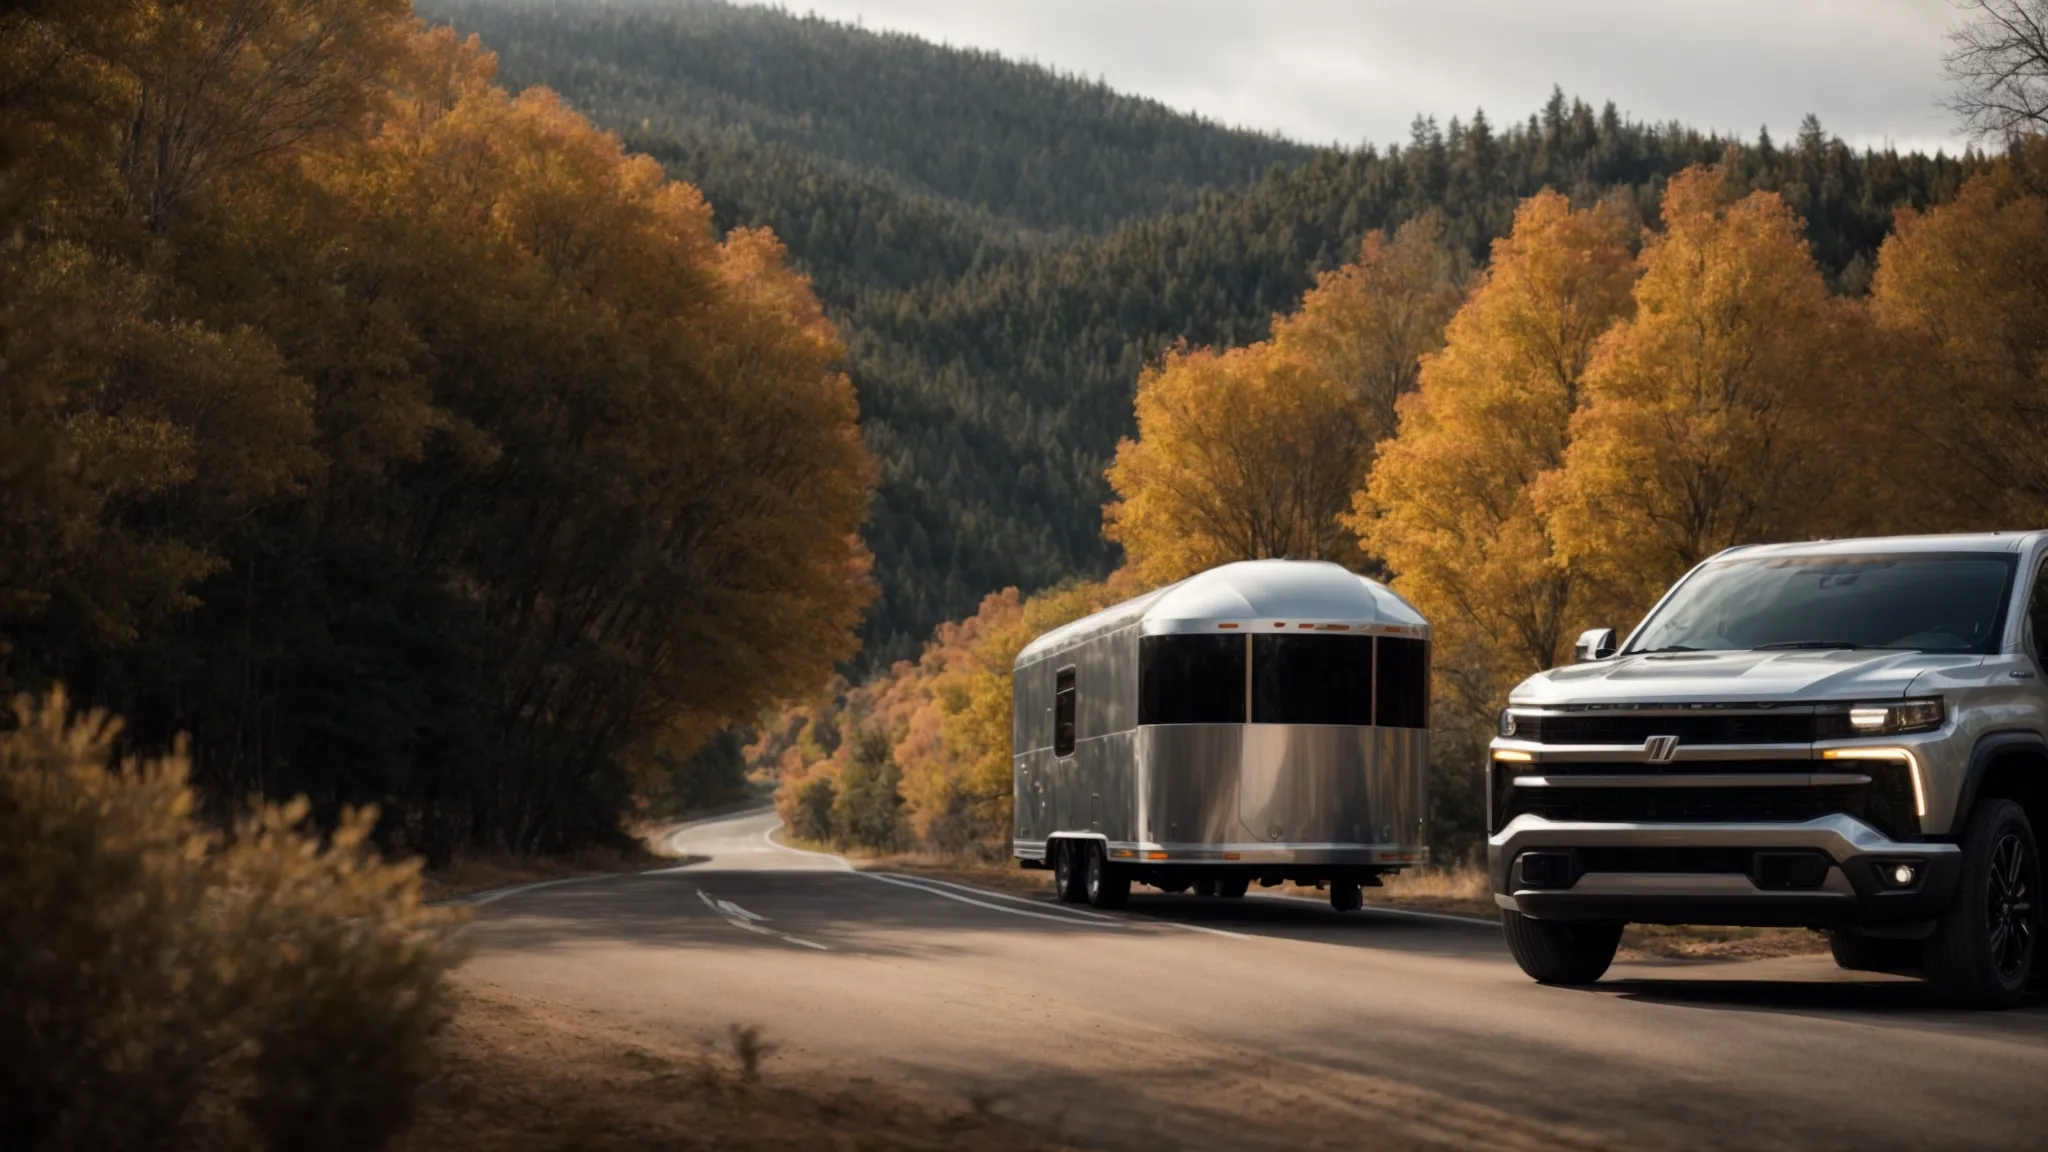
[(1063, 712), (1191, 679), (1311, 679), (1403, 683)]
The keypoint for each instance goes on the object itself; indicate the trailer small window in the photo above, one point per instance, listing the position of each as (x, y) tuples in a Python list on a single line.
[(1311, 679), (1063, 712), (1403, 683), (1191, 679)]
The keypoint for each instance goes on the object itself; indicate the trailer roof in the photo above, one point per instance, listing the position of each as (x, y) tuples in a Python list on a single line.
[(1250, 596)]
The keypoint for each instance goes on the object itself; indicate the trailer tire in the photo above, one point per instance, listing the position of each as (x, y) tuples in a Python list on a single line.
[(1233, 887), (1560, 951), (1205, 887), (1346, 895), (1109, 887), (1068, 872)]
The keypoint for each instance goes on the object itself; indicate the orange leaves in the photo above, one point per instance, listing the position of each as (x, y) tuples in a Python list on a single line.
[(1716, 415), (1959, 301), (1253, 453), (1450, 504)]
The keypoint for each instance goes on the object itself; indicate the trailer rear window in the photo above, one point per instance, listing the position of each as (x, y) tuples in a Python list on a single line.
[(1311, 679), (1191, 679), (1403, 683)]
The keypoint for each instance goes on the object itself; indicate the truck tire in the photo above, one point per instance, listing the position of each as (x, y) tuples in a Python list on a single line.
[(1855, 952), (1233, 887), (1983, 947), (1346, 895), (1069, 880), (1560, 951), (1108, 886)]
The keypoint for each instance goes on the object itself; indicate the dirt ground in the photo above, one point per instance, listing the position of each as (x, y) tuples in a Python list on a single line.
[(521, 1076)]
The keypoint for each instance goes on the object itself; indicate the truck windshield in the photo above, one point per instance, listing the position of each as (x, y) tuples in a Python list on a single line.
[(1933, 602)]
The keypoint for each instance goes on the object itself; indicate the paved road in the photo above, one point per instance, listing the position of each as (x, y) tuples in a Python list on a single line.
[(1260, 1023)]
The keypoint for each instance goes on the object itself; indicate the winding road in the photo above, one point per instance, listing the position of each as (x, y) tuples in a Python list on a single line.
[(1253, 1024)]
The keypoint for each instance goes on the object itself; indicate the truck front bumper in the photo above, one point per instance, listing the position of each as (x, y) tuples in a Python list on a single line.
[(1732, 874)]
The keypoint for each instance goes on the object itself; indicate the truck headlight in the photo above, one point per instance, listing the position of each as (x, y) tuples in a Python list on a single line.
[(1507, 723), (1890, 718)]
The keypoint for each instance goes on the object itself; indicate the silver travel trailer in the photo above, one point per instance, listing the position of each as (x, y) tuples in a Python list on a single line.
[(1264, 721)]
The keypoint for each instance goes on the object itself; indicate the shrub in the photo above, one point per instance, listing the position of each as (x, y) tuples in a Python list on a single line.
[(811, 817), (870, 800), (165, 986)]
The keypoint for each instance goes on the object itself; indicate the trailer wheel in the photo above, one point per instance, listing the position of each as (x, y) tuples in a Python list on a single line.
[(1172, 887), (1346, 895), (1233, 887), (1108, 885), (1205, 887), (1067, 879)]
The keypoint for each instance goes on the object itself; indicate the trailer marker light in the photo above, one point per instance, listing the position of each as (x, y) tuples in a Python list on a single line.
[(1230, 855), (1155, 855), (1123, 852), (1336, 627), (1226, 625)]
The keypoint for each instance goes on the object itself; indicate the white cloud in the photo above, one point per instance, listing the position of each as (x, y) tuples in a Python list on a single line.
[(1327, 70)]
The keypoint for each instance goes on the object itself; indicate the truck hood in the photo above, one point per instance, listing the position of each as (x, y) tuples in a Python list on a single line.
[(1700, 677)]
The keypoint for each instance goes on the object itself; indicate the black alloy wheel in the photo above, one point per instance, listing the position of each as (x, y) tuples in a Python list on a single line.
[(2009, 912), (1982, 952)]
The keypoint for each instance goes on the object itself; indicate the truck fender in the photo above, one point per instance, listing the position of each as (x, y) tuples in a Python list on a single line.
[(1987, 749)]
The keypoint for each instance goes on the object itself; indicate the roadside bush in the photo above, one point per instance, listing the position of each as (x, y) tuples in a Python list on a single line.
[(811, 817), (166, 986), (870, 804)]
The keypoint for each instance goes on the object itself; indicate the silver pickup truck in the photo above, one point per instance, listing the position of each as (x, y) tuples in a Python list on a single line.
[(1849, 735)]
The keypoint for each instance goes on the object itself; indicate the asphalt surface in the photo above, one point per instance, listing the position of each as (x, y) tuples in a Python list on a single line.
[(1258, 1023)]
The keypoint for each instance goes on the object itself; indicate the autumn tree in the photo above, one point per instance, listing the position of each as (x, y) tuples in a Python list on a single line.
[(1450, 504), (1959, 295), (1725, 411), (1252, 453), (1368, 324)]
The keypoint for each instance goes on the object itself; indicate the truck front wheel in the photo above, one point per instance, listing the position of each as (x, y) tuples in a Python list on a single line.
[(1982, 950), (1560, 951)]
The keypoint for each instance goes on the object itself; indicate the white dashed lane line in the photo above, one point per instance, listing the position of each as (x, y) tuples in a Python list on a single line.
[(747, 921)]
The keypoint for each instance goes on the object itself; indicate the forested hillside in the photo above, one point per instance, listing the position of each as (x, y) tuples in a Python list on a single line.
[(995, 360)]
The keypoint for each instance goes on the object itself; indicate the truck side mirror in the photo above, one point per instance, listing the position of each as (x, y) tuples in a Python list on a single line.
[(1596, 644)]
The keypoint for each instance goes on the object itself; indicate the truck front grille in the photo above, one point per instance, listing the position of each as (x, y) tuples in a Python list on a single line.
[(1802, 726), (1886, 803)]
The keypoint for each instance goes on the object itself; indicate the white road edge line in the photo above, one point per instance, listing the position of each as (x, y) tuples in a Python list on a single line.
[(1071, 921), (1410, 913), (768, 837), (479, 899), (915, 879)]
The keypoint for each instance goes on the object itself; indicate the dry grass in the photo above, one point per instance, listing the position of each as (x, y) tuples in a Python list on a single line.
[(524, 1076)]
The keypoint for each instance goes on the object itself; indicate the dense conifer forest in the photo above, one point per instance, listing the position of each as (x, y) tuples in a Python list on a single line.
[(1003, 247)]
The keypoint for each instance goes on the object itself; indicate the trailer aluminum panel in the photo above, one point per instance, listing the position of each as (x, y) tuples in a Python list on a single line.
[(1267, 713)]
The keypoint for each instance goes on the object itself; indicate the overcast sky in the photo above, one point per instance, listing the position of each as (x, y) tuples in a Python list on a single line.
[(1327, 71)]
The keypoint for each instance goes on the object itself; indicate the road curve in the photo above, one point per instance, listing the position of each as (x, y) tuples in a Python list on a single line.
[(1258, 1023)]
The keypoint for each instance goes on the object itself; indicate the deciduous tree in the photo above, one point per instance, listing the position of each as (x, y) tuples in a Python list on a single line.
[(1725, 411), (1450, 505)]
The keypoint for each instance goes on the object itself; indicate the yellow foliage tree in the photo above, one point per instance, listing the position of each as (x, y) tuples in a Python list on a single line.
[(1449, 505), (1253, 453), (1721, 413), (1368, 324), (1959, 292)]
